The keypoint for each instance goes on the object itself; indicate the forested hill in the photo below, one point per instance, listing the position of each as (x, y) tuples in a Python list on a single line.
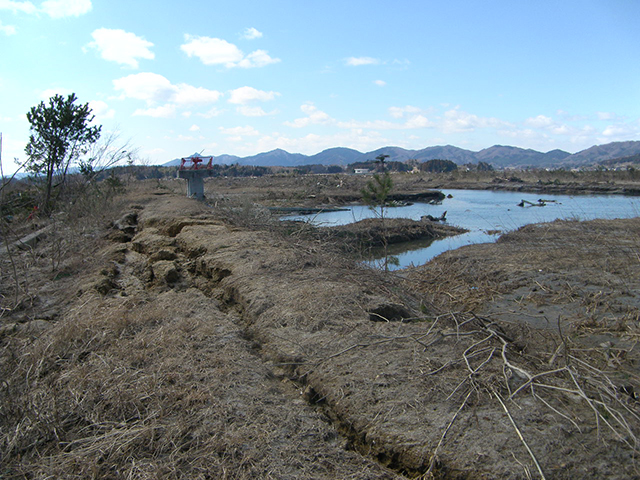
[(500, 156)]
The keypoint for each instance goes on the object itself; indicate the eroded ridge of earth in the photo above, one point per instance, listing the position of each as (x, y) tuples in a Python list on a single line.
[(181, 345)]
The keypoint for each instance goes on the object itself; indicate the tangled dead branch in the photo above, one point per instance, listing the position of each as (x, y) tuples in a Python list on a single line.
[(488, 348)]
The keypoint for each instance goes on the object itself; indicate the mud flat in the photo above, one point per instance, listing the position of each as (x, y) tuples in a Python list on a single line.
[(374, 232), (194, 347)]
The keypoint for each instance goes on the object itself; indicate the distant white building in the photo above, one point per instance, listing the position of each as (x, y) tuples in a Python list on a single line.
[(361, 171)]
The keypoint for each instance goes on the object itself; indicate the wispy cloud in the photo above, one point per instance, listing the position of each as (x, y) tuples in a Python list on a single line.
[(621, 131), (216, 51), (8, 29), (248, 111), (213, 112), (150, 87), (53, 8), (50, 92), (101, 110), (239, 131), (251, 33), (314, 143), (15, 7), (456, 120), (314, 117), (380, 83), (66, 8), (399, 112), (540, 121), (120, 46), (259, 58), (244, 95), (359, 61), (189, 95), (163, 111), (155, 89)]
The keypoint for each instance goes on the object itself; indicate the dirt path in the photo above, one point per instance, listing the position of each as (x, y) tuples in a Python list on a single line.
[(205, 350)]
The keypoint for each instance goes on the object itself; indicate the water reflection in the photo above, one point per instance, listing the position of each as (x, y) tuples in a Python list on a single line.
[(485, 212)]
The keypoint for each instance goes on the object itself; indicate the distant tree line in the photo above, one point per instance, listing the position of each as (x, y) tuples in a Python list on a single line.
[(438, 166), (374, 165), (235, 170), (318, 169)]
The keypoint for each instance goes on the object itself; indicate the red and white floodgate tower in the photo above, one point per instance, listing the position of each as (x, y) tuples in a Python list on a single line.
[(195, 170)]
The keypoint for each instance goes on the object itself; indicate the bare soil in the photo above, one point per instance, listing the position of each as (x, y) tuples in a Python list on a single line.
[(169, 338), (340, 189)]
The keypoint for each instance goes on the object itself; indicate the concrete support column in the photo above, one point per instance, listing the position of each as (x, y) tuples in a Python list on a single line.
[(195, 187), (195, 181)]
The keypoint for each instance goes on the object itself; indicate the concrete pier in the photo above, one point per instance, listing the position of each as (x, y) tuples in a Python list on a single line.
[(195, 181), (191, 170)]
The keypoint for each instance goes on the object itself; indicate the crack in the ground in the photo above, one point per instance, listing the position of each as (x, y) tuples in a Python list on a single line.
[(193, 268), (231, 303)]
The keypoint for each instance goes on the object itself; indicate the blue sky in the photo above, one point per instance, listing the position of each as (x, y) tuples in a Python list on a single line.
[(245, 77)]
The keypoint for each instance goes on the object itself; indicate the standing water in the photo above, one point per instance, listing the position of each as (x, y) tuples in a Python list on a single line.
[(486, 214)]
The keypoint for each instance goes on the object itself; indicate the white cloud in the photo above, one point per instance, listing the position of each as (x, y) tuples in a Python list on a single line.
[(120, 46), (456, 120), (380, 83), (244, 95), (155, 152), (259, 58), (51, 92), (239, 131), (8, 29), (571, 118), (216, 51), (540, 121), (560, 129), (251, 33), (314, 143), (185, 138), (609, 116), (412, 122), (418, 121), (163, 111), (547, 124), (190, 95), (369, 125), (154, 88), (358, 61), (15, 7), (194, 128), (66, 8), (404, 63), (212, 51), (214, 112), (163, 98), (621, 132), (101, 110), (248, 111), (314, 117), (147, 86), (523, 134), (399, 112)]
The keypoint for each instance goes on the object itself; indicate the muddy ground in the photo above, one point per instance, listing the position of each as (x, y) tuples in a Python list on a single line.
[(164, 338), (340, 189)]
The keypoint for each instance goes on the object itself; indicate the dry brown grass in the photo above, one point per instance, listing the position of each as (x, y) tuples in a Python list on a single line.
[(136, 378), (170, 389), (267, 356)]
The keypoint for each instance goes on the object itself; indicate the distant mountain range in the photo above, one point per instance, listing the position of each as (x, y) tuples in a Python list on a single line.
[(499, 156)]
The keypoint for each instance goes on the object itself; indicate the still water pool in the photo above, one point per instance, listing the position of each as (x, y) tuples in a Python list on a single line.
[(482, 212)]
